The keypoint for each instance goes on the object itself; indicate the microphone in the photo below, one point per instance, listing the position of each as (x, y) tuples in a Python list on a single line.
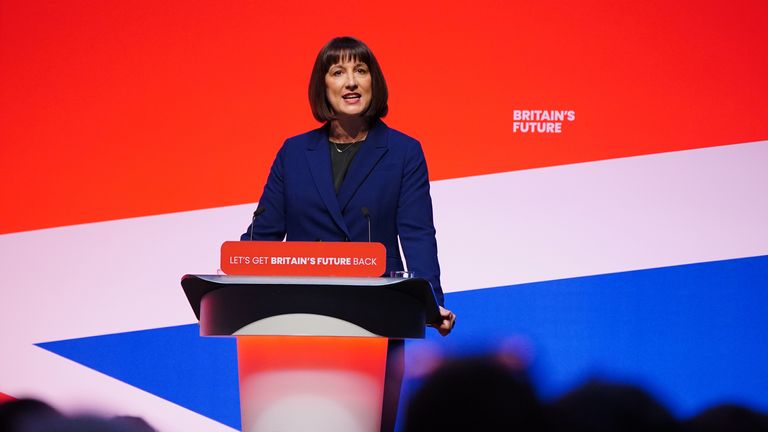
[(367, 216), (259, 210)]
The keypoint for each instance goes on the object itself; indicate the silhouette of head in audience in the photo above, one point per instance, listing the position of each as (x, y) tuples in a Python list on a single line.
[(727, 417), (20, 413), (479, 393), (602, 407), (32, 415), (91, 424)]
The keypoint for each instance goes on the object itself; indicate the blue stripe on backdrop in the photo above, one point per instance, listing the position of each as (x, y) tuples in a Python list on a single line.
[(694, 335), (174, 363)]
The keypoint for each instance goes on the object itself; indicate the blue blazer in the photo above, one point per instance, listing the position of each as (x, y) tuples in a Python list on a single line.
[(388, 176)]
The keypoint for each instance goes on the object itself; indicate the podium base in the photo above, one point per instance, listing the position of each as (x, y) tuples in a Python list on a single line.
[(311, 383)]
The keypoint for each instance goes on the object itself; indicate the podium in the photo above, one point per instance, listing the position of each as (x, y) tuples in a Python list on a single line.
[(312, 351)]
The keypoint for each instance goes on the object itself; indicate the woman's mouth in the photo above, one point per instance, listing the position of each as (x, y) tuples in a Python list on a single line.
[(351, 97)]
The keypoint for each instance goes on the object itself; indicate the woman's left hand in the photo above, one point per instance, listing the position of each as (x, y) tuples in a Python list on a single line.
[(448, 322)]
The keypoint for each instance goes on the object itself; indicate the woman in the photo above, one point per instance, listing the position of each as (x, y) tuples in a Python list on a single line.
[(355, 179), (353, 173)]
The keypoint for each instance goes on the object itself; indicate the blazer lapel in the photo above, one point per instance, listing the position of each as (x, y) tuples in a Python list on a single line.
[(371, 151), (320, 165)]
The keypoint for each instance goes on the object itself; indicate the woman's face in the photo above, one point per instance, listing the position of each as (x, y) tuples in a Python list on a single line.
[(348, 88)]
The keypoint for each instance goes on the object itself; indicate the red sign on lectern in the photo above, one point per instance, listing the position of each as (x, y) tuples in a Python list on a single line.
[(260, 258)]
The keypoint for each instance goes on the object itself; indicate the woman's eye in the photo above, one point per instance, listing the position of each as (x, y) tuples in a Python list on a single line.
[(362, 71)]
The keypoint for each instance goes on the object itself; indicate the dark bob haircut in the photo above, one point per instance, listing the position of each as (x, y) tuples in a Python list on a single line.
[(339, 50)]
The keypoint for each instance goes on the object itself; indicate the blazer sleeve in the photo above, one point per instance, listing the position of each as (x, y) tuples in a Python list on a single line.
[(271, 224), (415, 225)]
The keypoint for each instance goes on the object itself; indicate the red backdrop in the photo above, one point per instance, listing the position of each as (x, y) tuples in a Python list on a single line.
[(117, 109)]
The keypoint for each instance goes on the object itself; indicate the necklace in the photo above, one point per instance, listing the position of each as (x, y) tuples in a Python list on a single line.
[(346, 146)]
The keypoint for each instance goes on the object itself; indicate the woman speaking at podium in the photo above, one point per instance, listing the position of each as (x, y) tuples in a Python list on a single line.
[(354, 179)]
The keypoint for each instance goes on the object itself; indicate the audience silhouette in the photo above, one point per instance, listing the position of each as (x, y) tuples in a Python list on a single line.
[(32, 415), (599, 406), (481, 393), (19, 414), (490, 393), (727, 417)]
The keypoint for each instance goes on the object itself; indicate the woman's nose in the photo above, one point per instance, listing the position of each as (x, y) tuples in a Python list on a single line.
[(351, 83)]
